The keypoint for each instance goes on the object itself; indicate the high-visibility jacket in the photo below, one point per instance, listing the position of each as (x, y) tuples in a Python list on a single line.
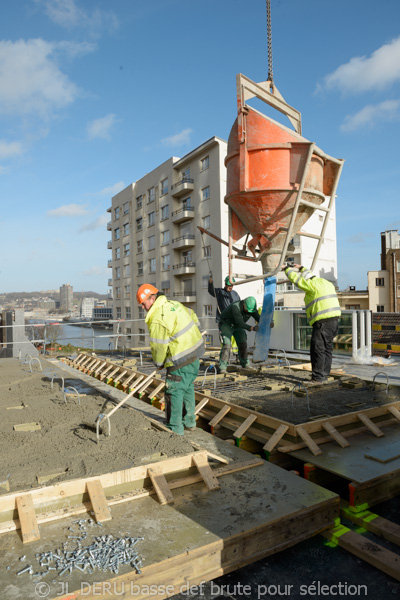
[(321, 299), (175, 338), (236, 316)]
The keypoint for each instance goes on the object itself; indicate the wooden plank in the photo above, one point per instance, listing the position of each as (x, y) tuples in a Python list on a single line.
[(201, 405), (333, 432), (98, 500), (240, 431), (395, 412), (156, 390), (27, 427), (120, 375), (160, 485), (371, 426), (201, 462), (220, 415), (373, 523), (309, 441), (111, 375), (369, 551), (27, 518), (275, 438)]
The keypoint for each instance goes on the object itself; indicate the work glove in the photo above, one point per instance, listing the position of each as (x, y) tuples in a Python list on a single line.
[(256, 328)]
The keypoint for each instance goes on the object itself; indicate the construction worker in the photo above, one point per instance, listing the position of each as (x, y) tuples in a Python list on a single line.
[(323, 312), (224, 296), (177, 344), (233, 322)]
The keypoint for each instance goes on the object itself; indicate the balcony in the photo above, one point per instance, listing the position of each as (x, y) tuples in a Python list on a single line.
[(110, 283), (110, 263), (185, 241), (182, 187), (109, 244), (185, 296), (183, 214), (185, 268), (109, 226)]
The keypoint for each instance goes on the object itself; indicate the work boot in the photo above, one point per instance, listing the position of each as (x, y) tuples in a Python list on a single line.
[(243, 354)]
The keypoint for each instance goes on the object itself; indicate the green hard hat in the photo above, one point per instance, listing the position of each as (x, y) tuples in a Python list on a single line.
[(229, 281), (251, 304)]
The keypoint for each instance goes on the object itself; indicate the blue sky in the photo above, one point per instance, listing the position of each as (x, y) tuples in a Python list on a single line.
[(96, 93)]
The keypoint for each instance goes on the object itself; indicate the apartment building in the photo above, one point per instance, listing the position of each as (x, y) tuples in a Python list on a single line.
[(87, 307), (66, 297), (155, 239)]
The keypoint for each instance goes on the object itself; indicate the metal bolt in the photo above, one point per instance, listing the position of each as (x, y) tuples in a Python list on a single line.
[(27, 569)]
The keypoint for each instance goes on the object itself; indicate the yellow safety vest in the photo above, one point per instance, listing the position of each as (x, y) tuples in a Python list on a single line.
[(321, 299), (175, 338)]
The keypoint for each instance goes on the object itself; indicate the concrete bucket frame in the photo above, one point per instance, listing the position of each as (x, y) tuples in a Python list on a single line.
[(276, 179)]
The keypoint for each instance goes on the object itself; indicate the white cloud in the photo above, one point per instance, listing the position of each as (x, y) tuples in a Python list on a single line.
[(112, 190), (31, 81), (96, 271), (370, 115), (68, 14), (68, 210), (4, 170), (362, 73), (361, 237), (100, 128), (99, 223), (10, 149), (179, 139)]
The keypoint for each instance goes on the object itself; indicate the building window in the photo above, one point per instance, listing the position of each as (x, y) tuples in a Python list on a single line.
[(141, 312), (186, 174), (127, 291), (187, 257), (152, 218), (165, 287), (127, 270), (140, 268), (205, 193), (165, 262), (139, 202), (142, 336), (139, 246), (164, 212), (207, 310), (380, 282), (380, 308), (126, 250), (204, 163), (186, 203), (117, 272), (139, 224), (126, 228), (118, 312), (206, 251), (128, 312), (152, 242), (165, 237), (164, 187), (125, 208), (116, 233), (152, 265), (117, 293), (116, 213), (352, 307), (151, 195), (117, 253), (398, 266), (398, 291), (206, 222), (204, 281)]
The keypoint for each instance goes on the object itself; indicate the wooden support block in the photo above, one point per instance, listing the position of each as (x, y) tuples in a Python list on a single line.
[(98, 500), (275, 438), (160, 485), (201, 462), (333, 432), (219, 416), (370, 424), (27, 427), (395, 412), (309, 441), (245, 426), (27, 518)]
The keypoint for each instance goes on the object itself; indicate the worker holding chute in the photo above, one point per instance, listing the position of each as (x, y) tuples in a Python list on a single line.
[(224, 296), (233, 322)]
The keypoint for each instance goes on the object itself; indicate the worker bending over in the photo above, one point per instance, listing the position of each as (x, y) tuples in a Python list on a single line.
[(323, 312), (177, 344), (233, 322), (224, 296)]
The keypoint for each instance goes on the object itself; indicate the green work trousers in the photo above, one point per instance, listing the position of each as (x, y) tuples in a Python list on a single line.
[(179, 397), (227, 331)]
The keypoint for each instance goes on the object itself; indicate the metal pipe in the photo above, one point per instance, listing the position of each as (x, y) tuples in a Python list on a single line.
[(362, 332), (368, 318), (354, 332)]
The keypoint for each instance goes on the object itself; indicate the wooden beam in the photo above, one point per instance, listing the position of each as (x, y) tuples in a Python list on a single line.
[(372, 522), (201, 405), (99, 501), (220, 415), (27, 518), (395, 412), (309, 441), (333, 432), (156, 390), (201, 462), (370, 424), (160, 485), (240, 431), (275, 438)]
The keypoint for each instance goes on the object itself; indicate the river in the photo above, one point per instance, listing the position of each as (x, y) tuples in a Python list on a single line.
[(94, 337)]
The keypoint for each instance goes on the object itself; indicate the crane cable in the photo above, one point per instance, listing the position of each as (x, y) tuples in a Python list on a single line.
[(269, 38)]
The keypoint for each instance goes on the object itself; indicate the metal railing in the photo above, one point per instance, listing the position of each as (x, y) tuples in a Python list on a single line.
[(183, 237), (187, 208), (185, 264), (184, 180), (177, 294)]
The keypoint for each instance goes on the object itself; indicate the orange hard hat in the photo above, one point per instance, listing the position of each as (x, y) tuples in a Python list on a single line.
[(145, 291)]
